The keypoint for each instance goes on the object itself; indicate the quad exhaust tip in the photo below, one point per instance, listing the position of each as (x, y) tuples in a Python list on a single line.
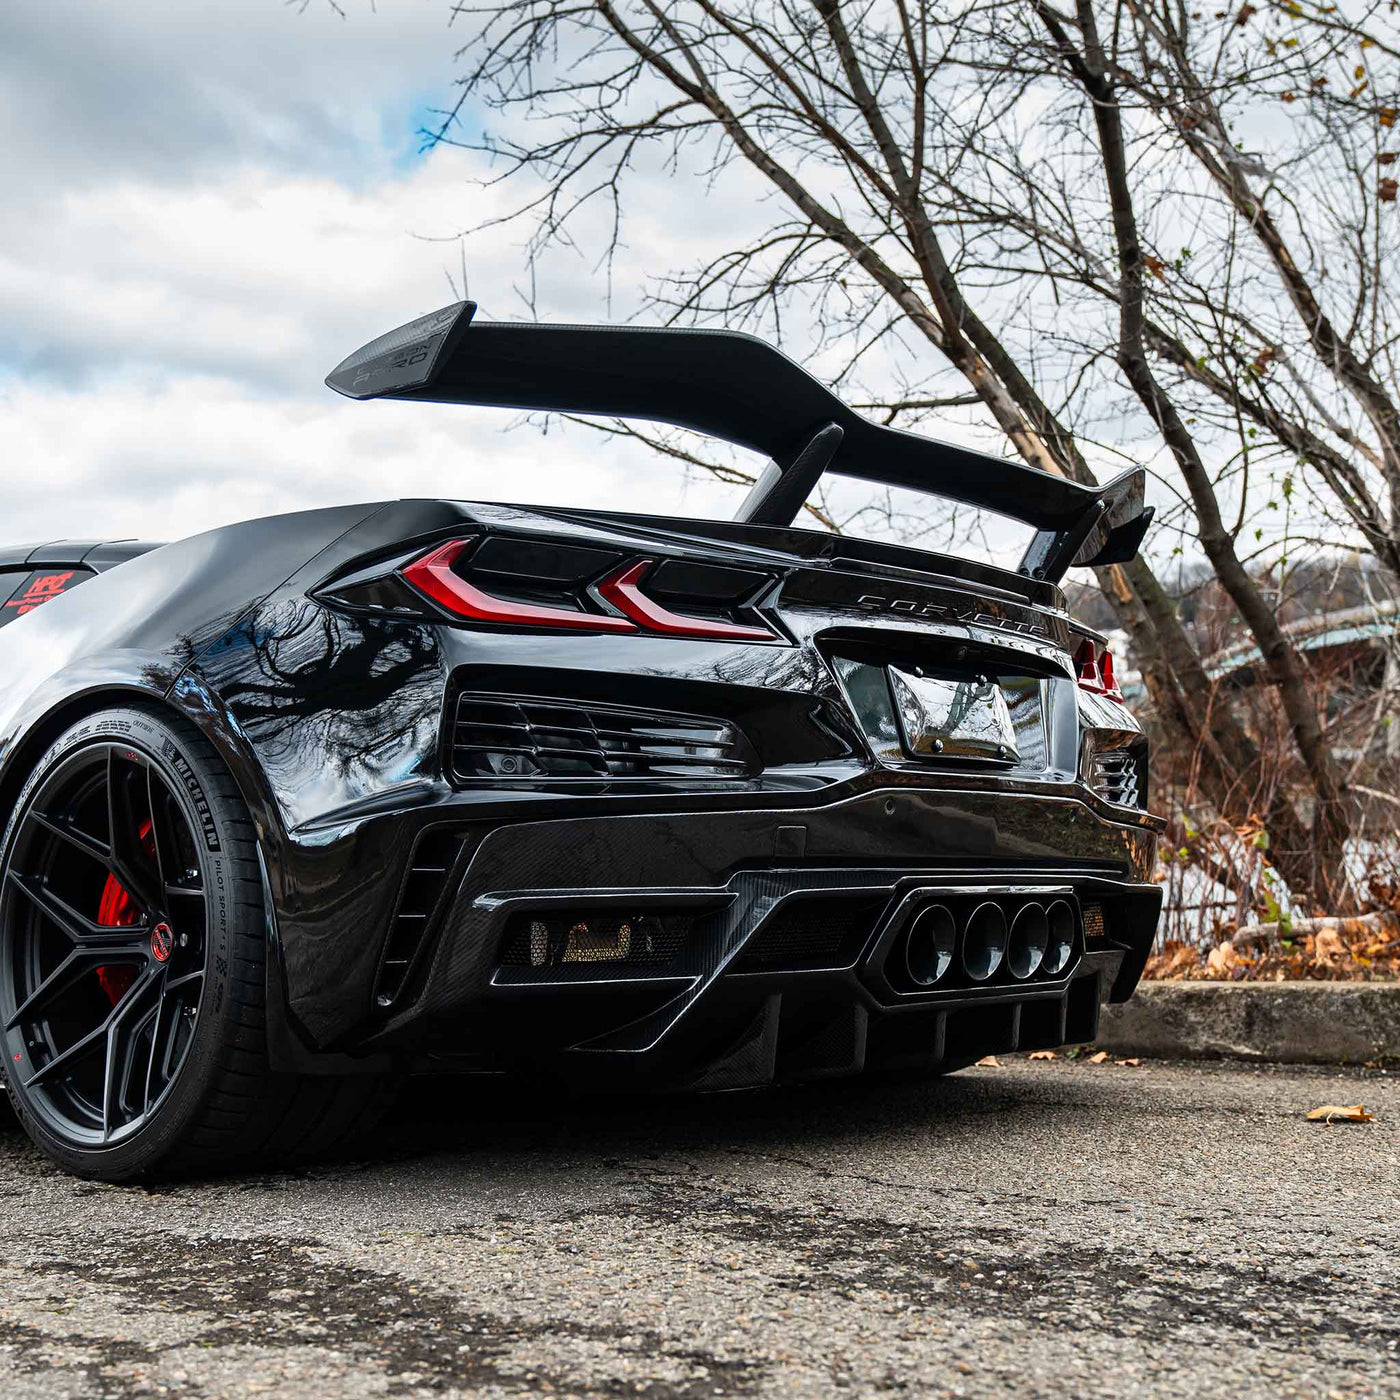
[(1060, 949), (1020, 940), (929, 944), (984, 942), (1028, 940)]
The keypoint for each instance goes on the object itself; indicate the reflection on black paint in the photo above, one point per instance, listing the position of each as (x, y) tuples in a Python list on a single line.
[(338, 707)]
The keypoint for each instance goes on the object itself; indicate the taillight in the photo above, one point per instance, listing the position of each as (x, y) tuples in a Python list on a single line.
[(623, 590), (434, 576), (473, 580), (1110, 686), (1094, 671)]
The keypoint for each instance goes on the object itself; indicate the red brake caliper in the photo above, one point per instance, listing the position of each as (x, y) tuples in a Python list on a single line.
[(117, 909)]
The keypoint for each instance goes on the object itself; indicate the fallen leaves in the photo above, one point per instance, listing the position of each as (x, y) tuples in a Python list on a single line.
[(1221, 960), (1042, 1055), (1321, 949), (1336, 1113), (989, 1062), (1102, 1057)]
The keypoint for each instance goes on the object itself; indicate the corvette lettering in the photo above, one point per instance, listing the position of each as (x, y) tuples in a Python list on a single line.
[(950, 612)]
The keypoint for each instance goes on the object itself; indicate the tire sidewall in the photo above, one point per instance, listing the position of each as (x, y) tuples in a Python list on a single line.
[(189, 775)]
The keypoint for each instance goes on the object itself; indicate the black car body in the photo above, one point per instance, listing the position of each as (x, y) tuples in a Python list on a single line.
[(631, 798)]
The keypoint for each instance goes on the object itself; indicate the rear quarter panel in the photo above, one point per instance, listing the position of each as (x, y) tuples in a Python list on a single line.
[(132, 630)]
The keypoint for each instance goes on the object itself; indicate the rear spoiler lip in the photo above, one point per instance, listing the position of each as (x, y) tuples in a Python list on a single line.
[(728, 385)]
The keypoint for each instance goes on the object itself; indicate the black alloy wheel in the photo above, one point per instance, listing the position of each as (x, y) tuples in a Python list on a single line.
[(132, 945), (104, 908)]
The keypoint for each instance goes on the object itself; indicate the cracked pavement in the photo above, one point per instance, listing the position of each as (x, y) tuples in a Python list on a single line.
[(1039, 1229)]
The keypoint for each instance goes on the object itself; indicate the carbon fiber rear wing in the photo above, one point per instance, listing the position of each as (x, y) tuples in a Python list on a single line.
[(738, 388)]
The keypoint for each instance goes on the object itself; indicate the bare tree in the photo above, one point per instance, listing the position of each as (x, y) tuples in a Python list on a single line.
[(943, 177)]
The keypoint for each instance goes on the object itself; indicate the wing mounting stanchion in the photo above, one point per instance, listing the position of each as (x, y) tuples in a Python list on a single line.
[(1109, 532), (781, 491)]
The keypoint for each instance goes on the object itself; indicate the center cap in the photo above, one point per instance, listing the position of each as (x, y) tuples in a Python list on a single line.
[(162, 942)]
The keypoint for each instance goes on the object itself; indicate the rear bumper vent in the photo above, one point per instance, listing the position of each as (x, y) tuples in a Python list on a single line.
[(586, 945), (434, 855), (1117, 775), (1095, 934), (812, 932), (510, 738)]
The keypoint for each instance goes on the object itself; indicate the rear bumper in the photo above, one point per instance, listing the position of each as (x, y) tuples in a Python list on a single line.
[(787, 961)]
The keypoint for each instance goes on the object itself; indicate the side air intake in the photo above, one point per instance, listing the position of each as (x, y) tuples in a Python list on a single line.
[(510, 738)]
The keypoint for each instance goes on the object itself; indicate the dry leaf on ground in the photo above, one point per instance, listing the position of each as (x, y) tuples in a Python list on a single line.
[(1221, 960), (989, 1062), (1042, 1055), (1337, 1113), (1133, 1063), (1099, 1058)]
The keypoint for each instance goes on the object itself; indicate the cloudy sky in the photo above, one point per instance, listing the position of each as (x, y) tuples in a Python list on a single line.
[(209, 204)]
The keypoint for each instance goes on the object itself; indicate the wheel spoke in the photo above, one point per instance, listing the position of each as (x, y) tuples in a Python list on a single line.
[(128, 860), (129, 1056), (155, 1047), (79, 929), (80, 963), (122, 1039), (66, 831), (95, 1037), (162, 832)]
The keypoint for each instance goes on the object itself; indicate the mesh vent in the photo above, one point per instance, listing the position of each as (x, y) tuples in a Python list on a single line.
[(1115, 774), (1093, 923), (432, 861), (589, 945), (811, 932), (511, 738)]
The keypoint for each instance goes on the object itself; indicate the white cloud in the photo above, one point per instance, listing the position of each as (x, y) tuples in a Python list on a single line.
[(208, 205), (169, 320), (162, 459)]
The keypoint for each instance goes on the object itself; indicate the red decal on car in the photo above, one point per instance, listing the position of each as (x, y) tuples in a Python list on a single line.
[(41, 588)]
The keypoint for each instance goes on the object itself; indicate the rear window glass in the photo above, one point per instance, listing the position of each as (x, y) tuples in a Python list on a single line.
[(22, 592)]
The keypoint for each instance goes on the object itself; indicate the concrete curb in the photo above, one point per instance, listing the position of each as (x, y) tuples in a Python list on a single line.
[(1296, 1023)]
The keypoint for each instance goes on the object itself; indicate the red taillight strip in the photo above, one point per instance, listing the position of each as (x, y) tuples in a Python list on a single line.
[(1111, 688), (1094, 675), (1086, 667), (623, 591), (433, 576)]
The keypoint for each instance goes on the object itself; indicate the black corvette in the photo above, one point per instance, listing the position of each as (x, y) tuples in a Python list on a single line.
[(302, 805)]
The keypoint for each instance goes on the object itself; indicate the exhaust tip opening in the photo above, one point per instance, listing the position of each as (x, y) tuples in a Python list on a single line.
[(928, 946), (1029, 939), (1060, 949), (984, 942)]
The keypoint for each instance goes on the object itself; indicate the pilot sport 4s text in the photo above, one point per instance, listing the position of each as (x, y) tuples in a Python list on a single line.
[(303, 805)]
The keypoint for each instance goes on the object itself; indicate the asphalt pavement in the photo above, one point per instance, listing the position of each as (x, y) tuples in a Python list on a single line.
[(1039, 1229)]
